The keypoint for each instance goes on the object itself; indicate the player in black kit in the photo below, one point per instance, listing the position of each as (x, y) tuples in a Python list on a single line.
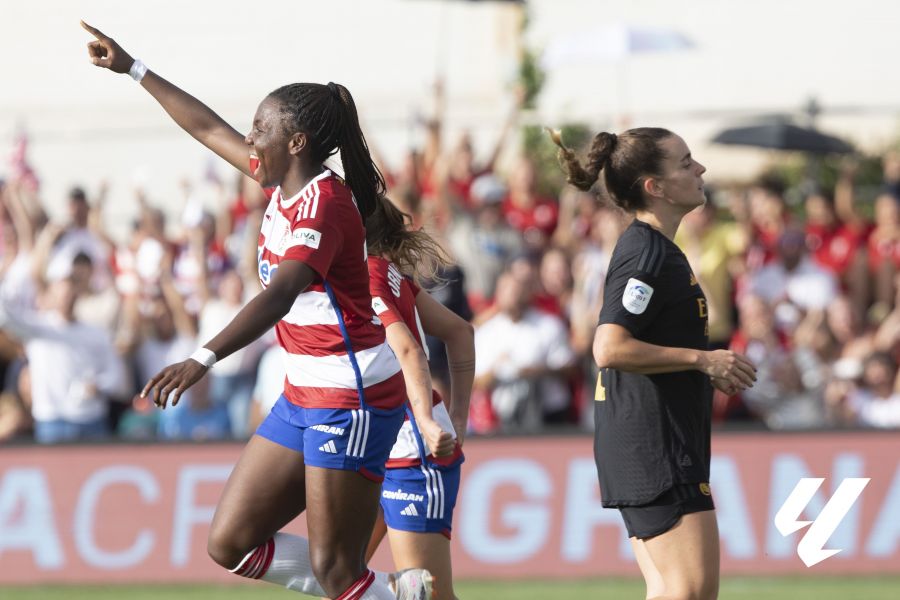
[(654, 390)]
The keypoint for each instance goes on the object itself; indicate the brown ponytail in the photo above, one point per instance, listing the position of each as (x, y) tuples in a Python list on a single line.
[(584, 177), (415, 252), (626, 160)]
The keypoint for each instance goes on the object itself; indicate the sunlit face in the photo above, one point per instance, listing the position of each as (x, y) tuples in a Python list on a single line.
[(819, 211), (269, 144), (555, 273), (887, 211), (841, 318), (523, 176), (61, 296), (78, 211), (682, 177), (878, 373), (511, 295), (231, 288)]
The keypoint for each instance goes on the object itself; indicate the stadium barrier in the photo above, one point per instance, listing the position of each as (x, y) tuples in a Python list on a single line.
[(528, 507)]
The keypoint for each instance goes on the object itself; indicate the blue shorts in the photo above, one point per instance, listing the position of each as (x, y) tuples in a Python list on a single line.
[(335, 438), (420, 499)]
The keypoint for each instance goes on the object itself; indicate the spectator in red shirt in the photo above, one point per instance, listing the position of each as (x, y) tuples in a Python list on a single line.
[(832, 243), (884, 249), (768, 218), (525, 210)]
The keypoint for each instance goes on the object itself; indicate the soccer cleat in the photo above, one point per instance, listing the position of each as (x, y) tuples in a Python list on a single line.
[(414, 584)]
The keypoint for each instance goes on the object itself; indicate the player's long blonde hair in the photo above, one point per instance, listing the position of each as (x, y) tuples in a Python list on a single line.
[(415, 253)]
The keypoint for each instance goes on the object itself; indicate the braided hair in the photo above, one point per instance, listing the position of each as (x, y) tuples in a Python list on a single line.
[(327, 115)]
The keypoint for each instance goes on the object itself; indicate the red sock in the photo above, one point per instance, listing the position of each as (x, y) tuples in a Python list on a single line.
[(257, 562), (358, 587)]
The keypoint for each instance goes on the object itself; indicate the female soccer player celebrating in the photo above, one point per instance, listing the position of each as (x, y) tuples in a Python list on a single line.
[(419, 489), (343, 400), (653, 396)]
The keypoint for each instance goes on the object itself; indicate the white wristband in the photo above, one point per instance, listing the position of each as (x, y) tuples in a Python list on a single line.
[(137, 70), (204, 356)]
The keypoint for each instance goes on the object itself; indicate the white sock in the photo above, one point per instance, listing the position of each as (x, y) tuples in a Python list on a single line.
[(367, 587), (383, 578), (289, 566), (378, 591), (283, 560)]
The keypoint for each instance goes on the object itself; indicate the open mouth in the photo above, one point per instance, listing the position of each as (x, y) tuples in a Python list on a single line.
[(254, 166)]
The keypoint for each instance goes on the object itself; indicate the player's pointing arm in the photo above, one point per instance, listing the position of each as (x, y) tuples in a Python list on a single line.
[(189, 113)]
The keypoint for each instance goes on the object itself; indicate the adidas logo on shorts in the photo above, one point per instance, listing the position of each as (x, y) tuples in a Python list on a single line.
[(328, 447), (410, 511)]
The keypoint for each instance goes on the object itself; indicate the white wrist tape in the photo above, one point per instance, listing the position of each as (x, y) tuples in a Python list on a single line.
[(138, 70), (204, 356)]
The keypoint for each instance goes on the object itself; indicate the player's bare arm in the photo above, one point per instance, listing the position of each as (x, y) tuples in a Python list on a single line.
[(257, 317), (616, 348), (190, 114), (459, 337), (418, 387)]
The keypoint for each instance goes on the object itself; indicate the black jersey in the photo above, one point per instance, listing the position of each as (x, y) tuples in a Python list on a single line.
[(652, 431)]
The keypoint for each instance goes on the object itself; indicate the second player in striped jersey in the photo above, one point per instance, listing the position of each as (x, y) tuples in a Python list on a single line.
[(420, 489)]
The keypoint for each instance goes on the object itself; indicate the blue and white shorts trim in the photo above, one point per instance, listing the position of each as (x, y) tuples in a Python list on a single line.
[(420, 499), (335, 438)]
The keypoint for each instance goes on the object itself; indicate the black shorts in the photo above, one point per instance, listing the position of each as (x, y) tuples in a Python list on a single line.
[(661, 514)]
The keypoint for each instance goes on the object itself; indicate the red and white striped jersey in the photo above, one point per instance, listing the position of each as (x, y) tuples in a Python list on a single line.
[(321, 227), (394, 301)]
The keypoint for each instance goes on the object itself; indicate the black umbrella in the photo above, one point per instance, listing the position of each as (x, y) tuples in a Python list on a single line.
[(781, 135)]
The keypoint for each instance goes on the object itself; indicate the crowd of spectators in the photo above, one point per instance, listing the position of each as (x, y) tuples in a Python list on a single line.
[(809, 293)]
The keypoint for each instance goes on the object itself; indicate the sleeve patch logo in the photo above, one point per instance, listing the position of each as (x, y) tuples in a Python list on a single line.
[(305, 237), (378, 305), (637, 296)]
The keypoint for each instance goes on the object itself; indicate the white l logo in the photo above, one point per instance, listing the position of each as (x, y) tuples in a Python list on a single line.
[(811, 548)]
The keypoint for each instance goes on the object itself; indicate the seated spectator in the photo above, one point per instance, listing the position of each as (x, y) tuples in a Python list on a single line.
[(483, 243), (450, 290), (169, 336), (589, 268), (269, 385), (884, 251), (577, 210), (875, 400), (199, 260), (526, 211), (231, 381), (794, 277), (77, 237), (555, 282), (780, 396), (834, 245), (854, 340), (73, 365), (768, 218), (98, 307), (523, 360), (712, 245)]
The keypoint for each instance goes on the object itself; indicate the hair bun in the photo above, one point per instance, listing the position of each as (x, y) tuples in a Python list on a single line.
[(602, 149)]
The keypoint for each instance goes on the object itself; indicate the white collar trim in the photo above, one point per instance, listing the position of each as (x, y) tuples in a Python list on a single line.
[(288, 202)]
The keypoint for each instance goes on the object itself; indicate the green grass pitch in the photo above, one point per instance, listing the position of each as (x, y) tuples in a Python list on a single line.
[(776, 588)]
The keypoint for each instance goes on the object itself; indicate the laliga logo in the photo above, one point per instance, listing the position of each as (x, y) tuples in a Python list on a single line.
[(811, 548)]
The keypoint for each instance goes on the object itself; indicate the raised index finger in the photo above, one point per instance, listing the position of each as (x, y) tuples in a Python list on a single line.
[(93, 31)]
